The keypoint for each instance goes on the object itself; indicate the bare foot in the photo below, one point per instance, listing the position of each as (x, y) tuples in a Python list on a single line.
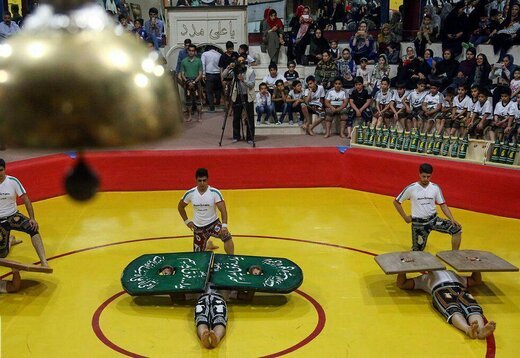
[(326, 136), (211, 246), (488, 329), (189, 119), (214, 341), (310, 132), (473, 330), (14, 241), (342, 135), (205, 339)]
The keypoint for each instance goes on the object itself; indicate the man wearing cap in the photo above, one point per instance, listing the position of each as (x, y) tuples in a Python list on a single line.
[(424, 195)]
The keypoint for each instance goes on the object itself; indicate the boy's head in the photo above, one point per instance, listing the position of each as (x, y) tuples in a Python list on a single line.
[(243, 49), (385, 84), (475, 91), (401, 88), (297, 86), (363, 62), (334, 44), (358, 83), (262, 87), (421, 85), (434, 87), (153, 12), (505, 96), (450, 93), (279, 84), (516, 74), (482, 97), (167, 271), (273, 69), (338, 83), (138, 23), (291, 65), (427, 19), (461, 90), (229, 47), (311, 81)]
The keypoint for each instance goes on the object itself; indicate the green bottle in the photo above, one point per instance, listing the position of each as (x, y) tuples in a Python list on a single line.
[(371, 137), (464, 147), (414, 141), (385, 137), (429, 142), (407, 141), (437, 144), (504, 149), (513, 148), (359, 132), (422, 142), (393, 138), (496, 151), (455, 148), (446, 146), (379, 137), (400, 141), (367, 135)]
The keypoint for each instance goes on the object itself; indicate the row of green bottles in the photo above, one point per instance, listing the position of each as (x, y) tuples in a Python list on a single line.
[(503, 152), (414, 141)]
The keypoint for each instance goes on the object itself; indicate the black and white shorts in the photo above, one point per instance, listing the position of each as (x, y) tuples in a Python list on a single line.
[(18, 222), (450, 299), (421, 229), (211, 310)]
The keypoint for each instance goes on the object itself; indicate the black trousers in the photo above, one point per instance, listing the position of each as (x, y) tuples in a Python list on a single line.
[(213, 89), (238, 107)]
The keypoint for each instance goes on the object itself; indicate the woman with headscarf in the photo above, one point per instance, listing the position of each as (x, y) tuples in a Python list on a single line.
[(503, 72), (318, 45), (396, 25), (294, 26), (446, 70), (385, 38), (482, 70), (380, 71), (305, 21), (454, 30), (362, 44), (273, 35), (503, 39), (436, 20)]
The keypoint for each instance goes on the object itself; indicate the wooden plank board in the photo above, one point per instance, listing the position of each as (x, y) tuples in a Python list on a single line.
[(397, 262), (475, 261), (25, 267)]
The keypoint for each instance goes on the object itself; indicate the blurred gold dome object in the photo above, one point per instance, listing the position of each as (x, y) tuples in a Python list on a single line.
[(75, 81)]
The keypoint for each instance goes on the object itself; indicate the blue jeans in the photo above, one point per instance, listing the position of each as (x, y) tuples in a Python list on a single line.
[(297, 109), (264, 109)]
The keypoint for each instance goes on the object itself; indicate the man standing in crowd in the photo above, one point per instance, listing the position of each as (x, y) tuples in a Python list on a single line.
[(182, 55), (154, 28), (424, 195), (210, 59), (8, 27)]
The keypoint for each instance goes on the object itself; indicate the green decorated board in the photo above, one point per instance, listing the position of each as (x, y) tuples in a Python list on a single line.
[(159, 274), (278, 275)]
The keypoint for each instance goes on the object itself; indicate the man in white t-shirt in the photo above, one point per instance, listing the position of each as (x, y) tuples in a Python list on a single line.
[(12, 219), (206, 200), (451, 299), (424, 196)]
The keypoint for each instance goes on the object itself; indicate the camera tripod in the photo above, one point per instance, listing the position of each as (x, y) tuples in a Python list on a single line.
[(242, 106)]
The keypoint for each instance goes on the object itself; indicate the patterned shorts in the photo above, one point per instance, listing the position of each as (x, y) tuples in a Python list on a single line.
[(451, 299), (201, 235), (211, 310), (18, 222), (421, 229)]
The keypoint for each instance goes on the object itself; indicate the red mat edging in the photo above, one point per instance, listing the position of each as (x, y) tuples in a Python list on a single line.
[(468, 186)]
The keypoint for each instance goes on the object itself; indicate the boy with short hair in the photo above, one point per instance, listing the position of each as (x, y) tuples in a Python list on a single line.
[(461, 104), (384, 104), (431, 108), (363, 72), (402, 108), (360, 101), (295, 99), (313, 104), (272, 77), (263, 103), (447, 109), (279, 101), (336, 107), (334, 50), (502, 117), (479, 119), (244, 51), (416, 99), (291, 74)]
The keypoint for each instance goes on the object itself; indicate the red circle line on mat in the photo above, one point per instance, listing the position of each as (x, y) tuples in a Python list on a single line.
[(491, 345)]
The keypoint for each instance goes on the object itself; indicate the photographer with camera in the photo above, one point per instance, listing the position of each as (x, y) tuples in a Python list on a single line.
[(242, 96)]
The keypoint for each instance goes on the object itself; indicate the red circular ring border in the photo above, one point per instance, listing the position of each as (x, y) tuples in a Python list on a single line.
[(490, 340)]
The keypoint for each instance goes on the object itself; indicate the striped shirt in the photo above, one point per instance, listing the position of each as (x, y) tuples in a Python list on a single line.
[(204, 208), (10, 189)]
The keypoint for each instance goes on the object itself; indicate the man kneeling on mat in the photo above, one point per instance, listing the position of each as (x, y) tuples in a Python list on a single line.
[(451, 299), (11, 286)]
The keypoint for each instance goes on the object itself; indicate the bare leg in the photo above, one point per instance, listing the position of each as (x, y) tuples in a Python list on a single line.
[(216, 335), (342, 125), (229, 247), (455, 241), (460, 323), (40, 250), (204, 335), (488, 329), (14, 240), (328, 125), (14, 285)]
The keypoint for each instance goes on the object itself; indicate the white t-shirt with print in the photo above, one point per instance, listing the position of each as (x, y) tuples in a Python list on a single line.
[(416, 99), (204, 208), (423, 199), (10, 189), (316, 96), (385, 98), (462, 104), (336, 98), (433, 100), (501, 110)]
